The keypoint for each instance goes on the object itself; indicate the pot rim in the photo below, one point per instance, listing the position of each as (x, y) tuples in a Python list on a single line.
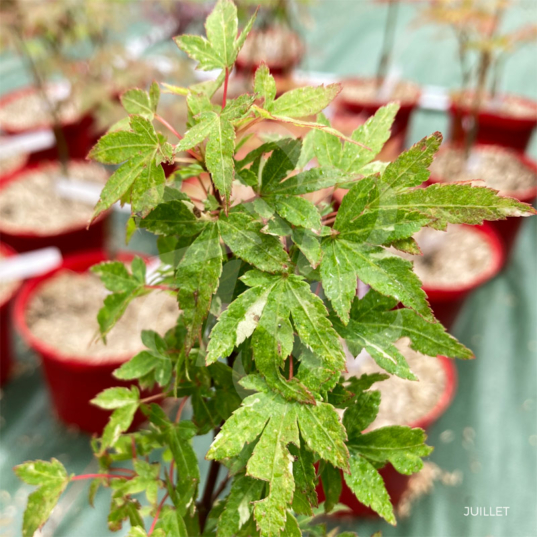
[(445, 400), (7, 251), (19, 174), (526, 196), (345, 103), (242, 64), (454, 107), (74, 262), (25, 160), (492, 237)]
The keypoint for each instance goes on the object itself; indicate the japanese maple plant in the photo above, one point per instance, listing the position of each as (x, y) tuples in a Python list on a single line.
[(262, 362)]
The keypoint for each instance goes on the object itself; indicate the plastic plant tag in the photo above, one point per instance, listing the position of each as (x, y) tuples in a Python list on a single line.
[(29, 264), (84, 192), (26, 143), (390, 83)]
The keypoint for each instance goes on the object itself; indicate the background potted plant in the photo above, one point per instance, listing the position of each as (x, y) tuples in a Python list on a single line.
[(57, 316), (452, 265), (275, 41), (479, 111), (416, 404), (265, 374), (480, 117), (362, 97), (7, 291), (53, 39)]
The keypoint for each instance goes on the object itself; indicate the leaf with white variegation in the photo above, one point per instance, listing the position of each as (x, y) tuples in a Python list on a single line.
[(270, 460), (458, 204), (197, 278), (264, 85), (306, 101), (374, 133), (345, 261), (51, 479), (141, 177), (242, 234), (219, 50)]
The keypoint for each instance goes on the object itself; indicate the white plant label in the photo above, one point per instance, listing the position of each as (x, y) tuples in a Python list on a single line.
[(85, 192), (29, 264), (26, 143)]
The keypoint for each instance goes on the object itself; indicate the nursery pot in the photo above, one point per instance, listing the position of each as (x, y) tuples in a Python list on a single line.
[(6, 350), (447, 301), (495, 127), (367, 108), (72, 381), (278, 67), (70, 239), (397, 483), (77, 132), (507, 229), (12, 164)]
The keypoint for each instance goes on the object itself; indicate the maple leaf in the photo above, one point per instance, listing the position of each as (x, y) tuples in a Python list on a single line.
[(282, 423), (140, 178)]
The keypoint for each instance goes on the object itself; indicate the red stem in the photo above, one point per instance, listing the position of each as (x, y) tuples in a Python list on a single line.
[(153, 398), (180, 409), (177, 419), (172, 466), (180, 136), (97, 476), (202, 185), (329, 215), (157, 514), (126, 470), (160, 287), (290, 367), (133, 445), (226, 80), (168, 126)]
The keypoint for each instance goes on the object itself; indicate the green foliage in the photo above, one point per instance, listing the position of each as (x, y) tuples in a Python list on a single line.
[(51, 478), (141, 178), (266, 286), (124, 288)]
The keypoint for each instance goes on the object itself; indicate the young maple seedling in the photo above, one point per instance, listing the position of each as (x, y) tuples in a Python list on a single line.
[(388, 40), (51, 40), (476, 26), (265, 373)]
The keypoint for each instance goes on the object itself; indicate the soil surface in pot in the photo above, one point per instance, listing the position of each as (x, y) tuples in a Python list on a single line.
[(275, 46), (499, 169), (63, 314), (366, 91), (6, 288), (403, 402), (505, 105), (453, 258), (30, 110), (31, 203), (12, 163)]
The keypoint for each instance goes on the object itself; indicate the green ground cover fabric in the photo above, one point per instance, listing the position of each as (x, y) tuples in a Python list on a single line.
[(490, 431)]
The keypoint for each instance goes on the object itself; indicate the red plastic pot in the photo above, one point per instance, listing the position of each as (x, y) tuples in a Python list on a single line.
[(245, 66), (6, 350), (495, 128), (397, 483), (74, 238), (72, 381), (19, 165), (78, 132), (507, 229), (446, 302), (368, 108)]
